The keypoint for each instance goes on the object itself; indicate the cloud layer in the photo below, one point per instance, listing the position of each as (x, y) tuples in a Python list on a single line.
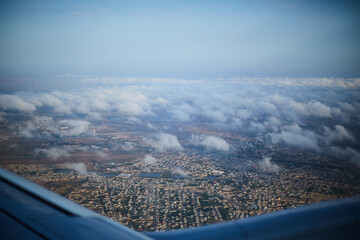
[(315, 114)]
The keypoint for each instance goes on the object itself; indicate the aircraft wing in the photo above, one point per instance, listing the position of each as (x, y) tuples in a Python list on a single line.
[(28, 211), (330, 220)]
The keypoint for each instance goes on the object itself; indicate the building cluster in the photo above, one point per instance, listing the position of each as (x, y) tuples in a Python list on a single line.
[(189, 189)]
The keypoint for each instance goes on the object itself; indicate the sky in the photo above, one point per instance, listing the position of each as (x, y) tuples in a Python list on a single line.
[(179, 39)]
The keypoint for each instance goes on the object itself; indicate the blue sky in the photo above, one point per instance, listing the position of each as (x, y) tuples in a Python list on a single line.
[(185, 39)]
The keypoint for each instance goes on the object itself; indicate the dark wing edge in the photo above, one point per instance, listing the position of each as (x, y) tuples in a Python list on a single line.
[(339, 219), (28, 211)]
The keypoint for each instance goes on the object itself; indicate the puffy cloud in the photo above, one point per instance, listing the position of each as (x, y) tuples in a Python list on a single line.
[(243, 114), (165, 142), (130, 109), (101, 154), (53, 101), (318, 109), (296, 136), (266, 165), (295, 110), (135, 120), (215, 115), (126, 101), (127, 146), (55, 152), (282, 110), (64, 151), (179, 171), (347, 107), (210, 142), (148, 159), (78, 167), (354, 156), (13, 102), (348, 153), (74, 127), (339, 134), (180, 115), (27, 131), (47, 126)]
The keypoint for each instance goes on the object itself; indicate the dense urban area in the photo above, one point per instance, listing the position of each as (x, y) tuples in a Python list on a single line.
[(151, 190)]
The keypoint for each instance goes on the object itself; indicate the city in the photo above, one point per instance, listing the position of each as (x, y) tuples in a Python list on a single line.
[(171, 115), (166, 190)]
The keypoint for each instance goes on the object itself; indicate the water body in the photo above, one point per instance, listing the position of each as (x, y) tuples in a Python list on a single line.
[(150, 174), (59, 170)]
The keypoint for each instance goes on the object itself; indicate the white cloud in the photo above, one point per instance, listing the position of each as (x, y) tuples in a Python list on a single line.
[(135, 120), (210, 142), (178, 171), (318, 109), (165, 142), (266, 165), (288, 111), (47, 126), (348, 153), (64, 151), (295, 136), (55, 152), (53, 101), (148, 159), (79, 167), (101, 154), (75, 127), (13, 102), (127, 146), (339, 134)]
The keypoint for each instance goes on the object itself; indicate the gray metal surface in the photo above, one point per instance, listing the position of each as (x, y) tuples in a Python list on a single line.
[(41, 214), (28, 211), (330, 220)]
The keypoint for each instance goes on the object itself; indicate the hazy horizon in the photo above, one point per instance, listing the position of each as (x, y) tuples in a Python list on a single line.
[(269, 69), (41, 40)]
